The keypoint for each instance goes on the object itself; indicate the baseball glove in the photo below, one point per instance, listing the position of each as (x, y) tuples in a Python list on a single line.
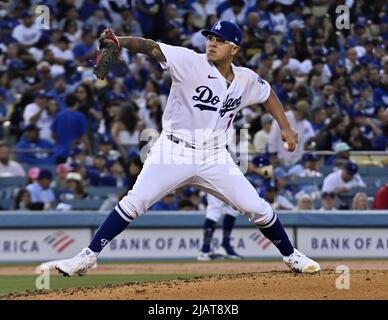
[(108, 53)]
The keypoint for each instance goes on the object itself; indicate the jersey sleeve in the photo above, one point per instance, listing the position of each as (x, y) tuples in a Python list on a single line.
[(179, 62), (258, 90)]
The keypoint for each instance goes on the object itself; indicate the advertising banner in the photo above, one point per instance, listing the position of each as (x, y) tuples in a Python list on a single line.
[(185, 243), (41, 244), (343, 242)]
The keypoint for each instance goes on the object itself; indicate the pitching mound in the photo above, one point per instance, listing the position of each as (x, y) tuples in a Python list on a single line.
[(367, 280)]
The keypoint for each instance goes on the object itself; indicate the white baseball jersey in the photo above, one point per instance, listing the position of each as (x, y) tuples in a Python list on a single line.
[(200, 98), (200, 110), (334, 180)]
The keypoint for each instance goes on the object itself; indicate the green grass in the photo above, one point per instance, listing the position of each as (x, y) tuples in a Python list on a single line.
[(12, 284)]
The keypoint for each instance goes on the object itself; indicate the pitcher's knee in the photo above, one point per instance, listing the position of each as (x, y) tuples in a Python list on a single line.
[(132, 206), (262, 216)]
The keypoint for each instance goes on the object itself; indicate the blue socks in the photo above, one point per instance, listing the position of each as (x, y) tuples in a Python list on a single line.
[(208, 228), (227, 229), (112, 226), (279, 238)]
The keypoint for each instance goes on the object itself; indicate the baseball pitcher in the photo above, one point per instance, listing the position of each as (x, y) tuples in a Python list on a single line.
[(207, 91)]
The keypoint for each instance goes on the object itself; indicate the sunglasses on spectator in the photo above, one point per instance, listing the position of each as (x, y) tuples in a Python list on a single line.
[(219, 40)]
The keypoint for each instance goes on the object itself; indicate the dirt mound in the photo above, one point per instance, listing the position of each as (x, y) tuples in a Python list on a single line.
[(364, 284)]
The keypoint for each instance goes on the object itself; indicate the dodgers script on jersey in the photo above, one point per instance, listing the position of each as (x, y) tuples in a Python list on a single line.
[(201, 107)]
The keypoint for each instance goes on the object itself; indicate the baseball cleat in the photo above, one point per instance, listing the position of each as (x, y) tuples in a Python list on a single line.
[(79, 265), (299, 263), (228, 252), (204, 256)]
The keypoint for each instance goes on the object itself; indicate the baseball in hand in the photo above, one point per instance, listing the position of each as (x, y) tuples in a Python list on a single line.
[(286, 146)]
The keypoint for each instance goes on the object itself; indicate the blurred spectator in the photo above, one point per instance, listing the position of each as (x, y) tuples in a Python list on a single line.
[(318, 118), (308, 168), (3, 111), (342, 155), (304, 202), (32, 149), (343, 180), (203, 9), (356, 139), (117, 171), (260, 171), (59, 92), (8, 167), (150, 17), (260, 140), (298, 121), (38, 113), (98, 19), (42, 195), (168, 202), (61, 171), (360, 201), (22, 200), (129, 24), (85, 51), (328, 201), (26, 33), (72, 31), (381, 198), (151, 115), (331, 134), (61, 50), (89, 107), (69, 129), (284, 195), (74, 187), (32, 175), (134, 168), (125, 131)]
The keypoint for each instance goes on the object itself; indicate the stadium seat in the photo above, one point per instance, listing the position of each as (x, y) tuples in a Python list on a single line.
[(84, 204)]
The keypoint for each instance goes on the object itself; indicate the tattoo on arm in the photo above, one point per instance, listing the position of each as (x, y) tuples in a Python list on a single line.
[(141, 45)]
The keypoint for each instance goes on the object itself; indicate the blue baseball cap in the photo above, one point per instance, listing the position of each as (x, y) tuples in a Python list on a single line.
[(45, 174), (309, 157), (351, 167), (226, 30), (260, 161)]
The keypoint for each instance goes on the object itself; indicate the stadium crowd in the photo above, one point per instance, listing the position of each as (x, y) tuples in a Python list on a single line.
[(55, 114)]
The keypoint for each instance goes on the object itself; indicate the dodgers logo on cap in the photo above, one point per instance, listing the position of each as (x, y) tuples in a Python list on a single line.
[(227, 30)]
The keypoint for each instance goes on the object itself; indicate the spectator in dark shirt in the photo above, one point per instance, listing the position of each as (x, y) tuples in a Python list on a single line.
[(69, 129)]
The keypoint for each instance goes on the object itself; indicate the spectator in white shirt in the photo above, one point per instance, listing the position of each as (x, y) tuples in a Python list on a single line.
[(343, 180), (203, 9), (236, 12), (62, 50), (8, 167), (278, 19), (260, 140), (37, 113), (298, 121), (26, 33)]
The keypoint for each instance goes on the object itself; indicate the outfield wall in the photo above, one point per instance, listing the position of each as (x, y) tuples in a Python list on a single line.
[(35, 237)]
